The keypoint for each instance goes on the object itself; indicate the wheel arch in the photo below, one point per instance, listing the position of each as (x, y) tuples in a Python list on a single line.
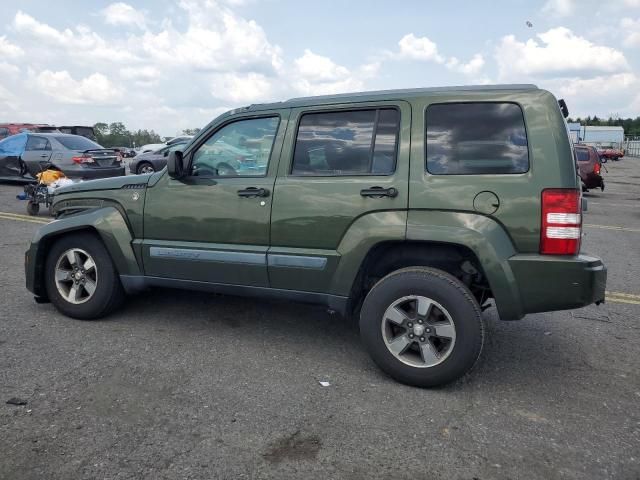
[(107, 223), (456, 236)]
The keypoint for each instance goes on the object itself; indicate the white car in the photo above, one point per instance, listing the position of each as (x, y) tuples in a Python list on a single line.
[(154, 147)]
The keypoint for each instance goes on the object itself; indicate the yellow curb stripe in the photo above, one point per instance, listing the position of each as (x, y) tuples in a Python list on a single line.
[(622, 300), (18, 219), (626, 295), (18, 215), (613, 227)]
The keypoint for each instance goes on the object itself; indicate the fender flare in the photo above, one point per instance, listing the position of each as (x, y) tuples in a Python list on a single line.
[(107, 222)]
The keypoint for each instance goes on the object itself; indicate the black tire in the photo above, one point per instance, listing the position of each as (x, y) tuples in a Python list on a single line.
[(33, 208), (143, 165), (108, 295), (444, 289)]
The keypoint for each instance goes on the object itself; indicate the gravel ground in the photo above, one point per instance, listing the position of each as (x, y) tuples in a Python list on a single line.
[(190, 385)]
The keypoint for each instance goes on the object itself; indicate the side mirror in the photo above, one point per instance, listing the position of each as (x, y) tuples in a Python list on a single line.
[(175, 165)]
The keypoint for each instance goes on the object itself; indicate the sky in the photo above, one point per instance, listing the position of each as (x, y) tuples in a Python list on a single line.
[(168, 65)]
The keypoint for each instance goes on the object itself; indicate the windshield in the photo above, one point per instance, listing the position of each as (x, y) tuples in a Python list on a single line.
[(76, 142)]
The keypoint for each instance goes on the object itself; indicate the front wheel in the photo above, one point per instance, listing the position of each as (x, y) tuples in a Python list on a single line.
[(80, 277), (422, 326)]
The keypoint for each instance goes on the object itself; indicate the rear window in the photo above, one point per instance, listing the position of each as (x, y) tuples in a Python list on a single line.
[(476, 138), (78, 143), (358, 142), (582, 154)]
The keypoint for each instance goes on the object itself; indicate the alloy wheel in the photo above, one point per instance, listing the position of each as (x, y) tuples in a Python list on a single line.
[(76, 276), (418, 331)]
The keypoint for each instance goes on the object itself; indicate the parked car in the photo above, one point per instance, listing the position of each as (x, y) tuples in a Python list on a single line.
[(366, 205), (154, 147), (8, 129), (81, 130), (607, 154), (125, 152), (589, 167), (150, 162), (26, 154)]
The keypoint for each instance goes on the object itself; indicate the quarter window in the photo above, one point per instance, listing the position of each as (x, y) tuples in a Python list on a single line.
[(359, 142), (240, 148), (476, 138)]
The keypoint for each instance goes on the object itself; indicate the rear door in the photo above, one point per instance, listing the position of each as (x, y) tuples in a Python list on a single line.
[(37, 153), (340, 163)]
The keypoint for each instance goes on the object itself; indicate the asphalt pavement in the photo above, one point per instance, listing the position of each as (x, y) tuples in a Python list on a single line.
[(190, 385)]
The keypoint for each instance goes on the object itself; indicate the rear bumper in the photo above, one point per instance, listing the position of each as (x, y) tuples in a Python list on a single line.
[(548, 283), (88, 173)]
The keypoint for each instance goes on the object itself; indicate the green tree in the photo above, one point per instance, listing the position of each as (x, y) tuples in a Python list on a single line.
[(191, 131)]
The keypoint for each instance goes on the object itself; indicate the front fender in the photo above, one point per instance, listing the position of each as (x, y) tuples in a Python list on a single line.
[(110, 225), (486, 238)]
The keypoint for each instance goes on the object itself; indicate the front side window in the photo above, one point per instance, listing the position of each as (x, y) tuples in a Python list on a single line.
[(38, 143), (359, 142), (240, 148), (476, 138), (4, 132)]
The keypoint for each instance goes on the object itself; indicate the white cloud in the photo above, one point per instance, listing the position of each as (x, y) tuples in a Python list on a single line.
[(631, 31), (562, 53), (322, 69), (82, 44), (252, 87), (319, 75), (8, 49), (472, 67), (632, 3), (96, 89), (121, 13), (602, 95), (559, 8), (419, 48), (216, 39)]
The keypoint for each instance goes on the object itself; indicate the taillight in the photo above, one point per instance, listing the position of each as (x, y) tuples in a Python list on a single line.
[(596, 169), (83, 159), (561, 222)]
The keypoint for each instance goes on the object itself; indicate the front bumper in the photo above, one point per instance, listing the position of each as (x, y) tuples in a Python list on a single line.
[(547, 283)]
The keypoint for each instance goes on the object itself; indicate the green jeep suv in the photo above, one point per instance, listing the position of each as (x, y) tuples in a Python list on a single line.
[(411, 209)]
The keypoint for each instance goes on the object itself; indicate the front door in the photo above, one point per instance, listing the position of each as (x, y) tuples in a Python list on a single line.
[(11, 150), (214, 224)]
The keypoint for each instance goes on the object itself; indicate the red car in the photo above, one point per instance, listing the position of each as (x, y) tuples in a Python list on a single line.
[(8, 129), (610, 154), (589, 167)]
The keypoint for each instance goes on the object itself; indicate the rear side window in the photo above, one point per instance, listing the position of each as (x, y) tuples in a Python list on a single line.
[(76, 142), (38, 143), (4, 132), (359, 142), (476, 138), (582, 154)]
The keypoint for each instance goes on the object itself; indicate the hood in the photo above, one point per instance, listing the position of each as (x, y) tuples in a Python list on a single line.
[(113, 183)]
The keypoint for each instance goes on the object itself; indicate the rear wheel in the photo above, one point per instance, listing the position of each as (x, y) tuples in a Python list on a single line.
[(81, 279), (145, 168), (422, 326)]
